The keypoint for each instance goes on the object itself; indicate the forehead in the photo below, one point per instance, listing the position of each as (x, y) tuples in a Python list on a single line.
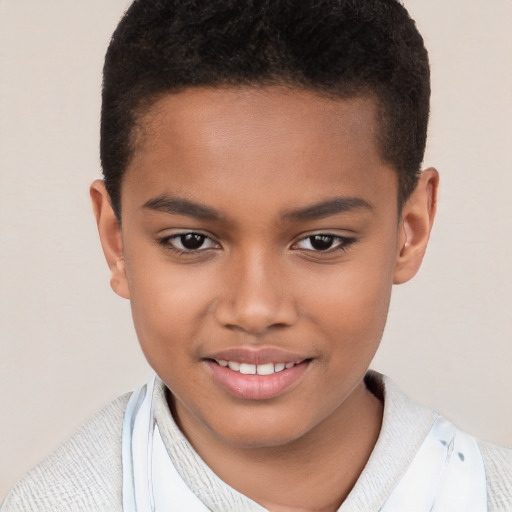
[(257, 139), (198, 115)]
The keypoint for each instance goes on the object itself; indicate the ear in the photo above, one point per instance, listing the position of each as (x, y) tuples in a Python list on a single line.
[(416, 222), (110, 236)]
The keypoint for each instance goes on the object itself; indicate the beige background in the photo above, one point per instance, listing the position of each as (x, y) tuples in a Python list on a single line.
[(66, 342)]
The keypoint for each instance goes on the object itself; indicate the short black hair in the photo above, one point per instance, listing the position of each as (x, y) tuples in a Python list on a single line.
[(343, 48)]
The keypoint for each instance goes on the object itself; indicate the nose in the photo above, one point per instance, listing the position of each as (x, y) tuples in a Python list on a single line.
[(255, 296)]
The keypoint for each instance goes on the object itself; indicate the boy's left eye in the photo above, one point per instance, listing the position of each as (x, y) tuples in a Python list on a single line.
[(323, 243)]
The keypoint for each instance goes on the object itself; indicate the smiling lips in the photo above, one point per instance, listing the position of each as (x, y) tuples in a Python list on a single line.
[(257, 375)]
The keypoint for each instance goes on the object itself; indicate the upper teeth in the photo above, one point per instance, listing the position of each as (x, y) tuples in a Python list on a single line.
[(256, 369)]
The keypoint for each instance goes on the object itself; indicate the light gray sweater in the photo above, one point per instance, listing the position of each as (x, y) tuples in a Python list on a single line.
[(85, 473)]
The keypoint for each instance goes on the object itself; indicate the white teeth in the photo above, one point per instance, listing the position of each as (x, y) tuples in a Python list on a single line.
[(265, 369), (253, 369), (279, 367), (233, 365), (248, 369)]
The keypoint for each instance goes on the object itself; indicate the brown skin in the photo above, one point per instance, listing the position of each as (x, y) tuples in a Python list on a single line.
[(257, 281)]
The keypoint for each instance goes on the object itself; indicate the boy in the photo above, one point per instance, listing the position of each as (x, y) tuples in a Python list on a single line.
[(261, 196)]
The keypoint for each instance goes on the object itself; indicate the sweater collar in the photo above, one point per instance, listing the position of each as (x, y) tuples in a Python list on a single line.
[(404, 427)]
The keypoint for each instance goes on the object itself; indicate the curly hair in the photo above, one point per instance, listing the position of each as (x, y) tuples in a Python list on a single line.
[(342, 48)]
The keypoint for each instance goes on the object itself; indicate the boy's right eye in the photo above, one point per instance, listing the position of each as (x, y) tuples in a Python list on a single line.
[(188, 242)]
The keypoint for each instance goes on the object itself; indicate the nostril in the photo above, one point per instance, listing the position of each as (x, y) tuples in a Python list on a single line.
[(255, 318)]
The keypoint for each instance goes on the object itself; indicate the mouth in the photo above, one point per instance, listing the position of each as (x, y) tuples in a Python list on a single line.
[(255, 376)]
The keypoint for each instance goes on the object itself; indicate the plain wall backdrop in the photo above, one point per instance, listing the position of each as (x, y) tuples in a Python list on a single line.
[(67, 345)]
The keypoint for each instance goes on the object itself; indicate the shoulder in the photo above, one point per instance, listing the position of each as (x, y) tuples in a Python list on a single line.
[(406, 425), (83, 474), (498, 471)]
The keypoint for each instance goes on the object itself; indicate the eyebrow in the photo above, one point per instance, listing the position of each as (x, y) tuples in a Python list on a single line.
[(179, 206), (327, 208)]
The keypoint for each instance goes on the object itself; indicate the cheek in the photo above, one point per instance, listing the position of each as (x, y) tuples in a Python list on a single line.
[(351, 302), (169, 304)]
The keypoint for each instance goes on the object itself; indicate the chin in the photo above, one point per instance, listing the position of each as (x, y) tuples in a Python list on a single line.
[(261, 434)]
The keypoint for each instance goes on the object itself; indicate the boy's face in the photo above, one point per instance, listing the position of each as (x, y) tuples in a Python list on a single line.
[(259, 227)]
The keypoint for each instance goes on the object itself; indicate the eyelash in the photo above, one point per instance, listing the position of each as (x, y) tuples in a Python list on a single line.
[(343, 243), (166, 242)]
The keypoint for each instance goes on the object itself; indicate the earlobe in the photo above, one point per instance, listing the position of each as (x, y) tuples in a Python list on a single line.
[(110, 236), (415, 225)]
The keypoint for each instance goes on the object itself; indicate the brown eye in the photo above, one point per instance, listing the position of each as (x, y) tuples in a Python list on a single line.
[(324, 242), (189, 242), (321, 242), (192, 241)]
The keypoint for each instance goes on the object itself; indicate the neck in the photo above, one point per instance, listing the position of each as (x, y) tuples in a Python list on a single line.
[(314, 472)]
